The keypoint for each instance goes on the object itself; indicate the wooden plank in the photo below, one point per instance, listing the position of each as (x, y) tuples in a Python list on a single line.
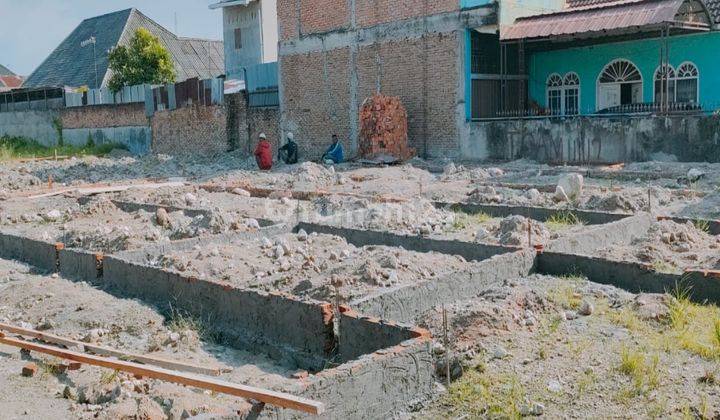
[(114, 188), (107, 351), (280, 399)]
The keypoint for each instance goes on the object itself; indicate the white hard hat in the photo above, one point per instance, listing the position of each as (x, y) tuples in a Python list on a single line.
[(290, 135), (263, 136)]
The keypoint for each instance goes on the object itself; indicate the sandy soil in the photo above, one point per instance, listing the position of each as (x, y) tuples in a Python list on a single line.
[(78, 311)]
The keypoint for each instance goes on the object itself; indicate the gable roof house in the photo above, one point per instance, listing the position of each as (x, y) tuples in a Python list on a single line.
[(9, 80), (82, 58)]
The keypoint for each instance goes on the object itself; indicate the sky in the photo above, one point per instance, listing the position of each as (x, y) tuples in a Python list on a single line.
[(31, 29)]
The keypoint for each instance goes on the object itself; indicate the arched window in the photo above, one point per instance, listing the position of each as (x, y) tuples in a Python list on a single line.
[(687, 78), (554, 94), (664, 86), (619, 83), (571, 91)]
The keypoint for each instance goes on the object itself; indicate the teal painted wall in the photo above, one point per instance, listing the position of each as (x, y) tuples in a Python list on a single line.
[(701, 49), (474, 3)]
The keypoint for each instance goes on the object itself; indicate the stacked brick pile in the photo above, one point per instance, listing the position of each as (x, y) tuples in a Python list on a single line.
[(384, 128)]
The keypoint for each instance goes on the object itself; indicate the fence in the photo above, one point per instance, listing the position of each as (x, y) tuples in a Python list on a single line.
[(639, 109), (190, 92), (104, 96), (261, 81), (32, 100)]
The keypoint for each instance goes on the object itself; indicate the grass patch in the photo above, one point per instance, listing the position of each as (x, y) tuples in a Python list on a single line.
[(664, 267), (484, 395), (643, 371), (464, 220), (22, 148), (565, 296), (109, 376), (563, 219), (703, 225)]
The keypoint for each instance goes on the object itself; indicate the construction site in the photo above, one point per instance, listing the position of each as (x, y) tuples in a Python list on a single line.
[(467, 209), (166, 287)]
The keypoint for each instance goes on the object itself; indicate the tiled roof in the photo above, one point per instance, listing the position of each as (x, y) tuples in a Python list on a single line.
[(4, 71), (73, 65), (713, 7)]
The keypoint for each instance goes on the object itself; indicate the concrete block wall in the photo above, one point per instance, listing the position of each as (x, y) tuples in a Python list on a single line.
[(333, 55), (600, 139), (37, 125)]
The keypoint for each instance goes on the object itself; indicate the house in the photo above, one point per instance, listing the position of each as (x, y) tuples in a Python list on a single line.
[(82, 58), (9, 80), (613, 56), (442, 58), (250, 33)]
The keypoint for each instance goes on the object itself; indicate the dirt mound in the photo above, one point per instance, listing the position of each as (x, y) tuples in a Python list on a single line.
[(310, 174), (615, 202), (514, 231)]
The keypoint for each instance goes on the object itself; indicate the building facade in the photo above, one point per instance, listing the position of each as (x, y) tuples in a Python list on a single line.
[(660, 57), (250, 34)]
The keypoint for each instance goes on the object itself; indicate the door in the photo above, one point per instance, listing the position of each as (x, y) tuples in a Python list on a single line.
[(608, 95)]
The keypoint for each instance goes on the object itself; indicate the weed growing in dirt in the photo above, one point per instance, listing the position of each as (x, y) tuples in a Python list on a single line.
[(663, 267), (180, 322), (703, 225), (561, 220), (108, 377), (566, 297), (20, 147), (485, 395), (643, 371), (464, 220)]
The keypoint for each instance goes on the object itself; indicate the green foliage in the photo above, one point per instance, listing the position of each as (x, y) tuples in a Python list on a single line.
[(90, 143), (20, 148), (144, 60), (58, 126), (563, 219)]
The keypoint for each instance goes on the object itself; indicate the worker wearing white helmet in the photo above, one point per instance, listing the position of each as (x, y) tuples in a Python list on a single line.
[(288, 153)]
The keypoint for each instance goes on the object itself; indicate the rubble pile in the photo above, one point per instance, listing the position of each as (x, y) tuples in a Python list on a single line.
[(383, 128)]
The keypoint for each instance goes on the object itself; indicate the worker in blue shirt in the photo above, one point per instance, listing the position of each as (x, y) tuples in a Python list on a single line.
[(334, 153)]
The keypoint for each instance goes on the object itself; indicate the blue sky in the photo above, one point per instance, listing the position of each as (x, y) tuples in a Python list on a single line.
[(31, 29)]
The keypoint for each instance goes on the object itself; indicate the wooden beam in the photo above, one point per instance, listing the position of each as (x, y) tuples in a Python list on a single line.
[(114, 188), (107, 351), (279, 399)]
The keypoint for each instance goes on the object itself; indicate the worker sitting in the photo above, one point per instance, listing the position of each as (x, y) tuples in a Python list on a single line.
[(334, 153), (263, 153), (289, 152)]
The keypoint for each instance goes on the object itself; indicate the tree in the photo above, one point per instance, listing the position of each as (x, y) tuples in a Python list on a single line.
[(144, 60)]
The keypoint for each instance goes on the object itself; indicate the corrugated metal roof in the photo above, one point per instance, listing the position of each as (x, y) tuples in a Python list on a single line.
[(592, 18), (71, 65), (713, 7)]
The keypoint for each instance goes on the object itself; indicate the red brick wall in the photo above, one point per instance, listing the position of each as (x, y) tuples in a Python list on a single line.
[(374, 12), (191, 130), (264, 120), (287, 19), (323, 15), (422, 72), (317, 102), (103, 116)]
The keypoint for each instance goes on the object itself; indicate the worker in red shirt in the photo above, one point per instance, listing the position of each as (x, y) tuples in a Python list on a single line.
[(263, 154)]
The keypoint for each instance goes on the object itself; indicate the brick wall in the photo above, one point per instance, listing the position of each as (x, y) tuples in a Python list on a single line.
[(104, 116), (190, 130), (423, 72), (374, 12), (316, 98), (297, 18), (263, 120)]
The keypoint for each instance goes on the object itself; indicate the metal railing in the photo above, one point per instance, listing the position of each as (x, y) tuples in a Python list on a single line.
[(629, 110), (32, 99)]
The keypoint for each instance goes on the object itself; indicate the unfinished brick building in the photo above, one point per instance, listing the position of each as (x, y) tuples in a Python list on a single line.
[(336, 53)]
